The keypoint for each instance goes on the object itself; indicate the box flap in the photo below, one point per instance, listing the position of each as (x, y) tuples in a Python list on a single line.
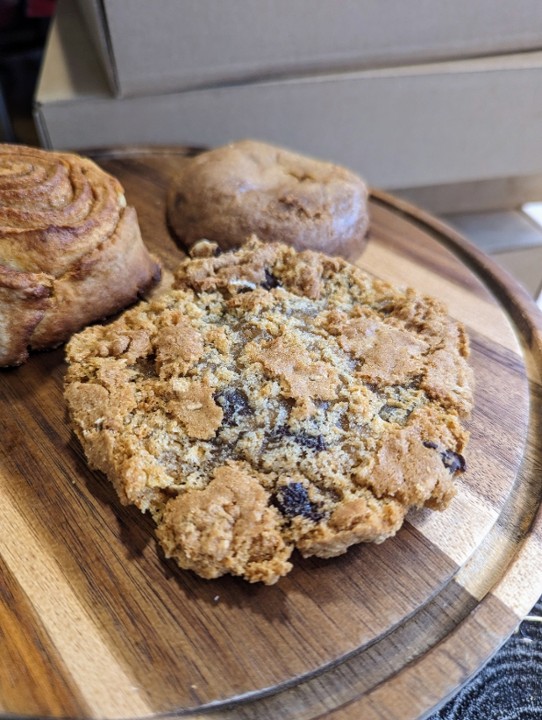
[(71, 67), (93, 14)]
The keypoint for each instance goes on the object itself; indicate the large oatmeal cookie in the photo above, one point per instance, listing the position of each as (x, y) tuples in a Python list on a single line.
[(273, 400)]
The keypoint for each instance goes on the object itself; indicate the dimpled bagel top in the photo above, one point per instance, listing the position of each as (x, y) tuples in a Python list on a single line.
[(228, 193), (273, 400)]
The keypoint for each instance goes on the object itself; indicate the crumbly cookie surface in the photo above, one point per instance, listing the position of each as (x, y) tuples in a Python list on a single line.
[(230, 192), (273, 400)]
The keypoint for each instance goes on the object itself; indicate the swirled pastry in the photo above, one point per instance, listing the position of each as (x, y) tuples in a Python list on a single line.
[(228, 193), (70, 249)]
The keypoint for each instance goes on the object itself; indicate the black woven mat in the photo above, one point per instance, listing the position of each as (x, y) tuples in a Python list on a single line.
[(509, 687)]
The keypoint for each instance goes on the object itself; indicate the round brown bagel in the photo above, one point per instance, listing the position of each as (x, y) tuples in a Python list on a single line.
[(247, 187)]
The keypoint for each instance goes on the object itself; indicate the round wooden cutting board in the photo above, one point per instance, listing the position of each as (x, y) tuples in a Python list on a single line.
[(95, 623)]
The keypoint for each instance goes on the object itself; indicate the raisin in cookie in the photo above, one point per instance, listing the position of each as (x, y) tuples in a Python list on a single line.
[(273, 400), (227, 194)]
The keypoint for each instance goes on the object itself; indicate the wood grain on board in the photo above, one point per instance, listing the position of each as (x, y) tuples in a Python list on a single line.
[(95, 623)]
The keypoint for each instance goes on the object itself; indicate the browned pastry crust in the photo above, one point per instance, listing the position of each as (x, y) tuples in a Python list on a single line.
[(227, 194), (70, 249), (273, 400)]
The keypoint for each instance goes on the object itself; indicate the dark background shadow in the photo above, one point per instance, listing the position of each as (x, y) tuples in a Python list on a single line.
[(24, 25)]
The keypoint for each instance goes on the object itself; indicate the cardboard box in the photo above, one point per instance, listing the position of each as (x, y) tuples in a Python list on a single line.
[(407, 127), (170, 45), (502, 193)]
